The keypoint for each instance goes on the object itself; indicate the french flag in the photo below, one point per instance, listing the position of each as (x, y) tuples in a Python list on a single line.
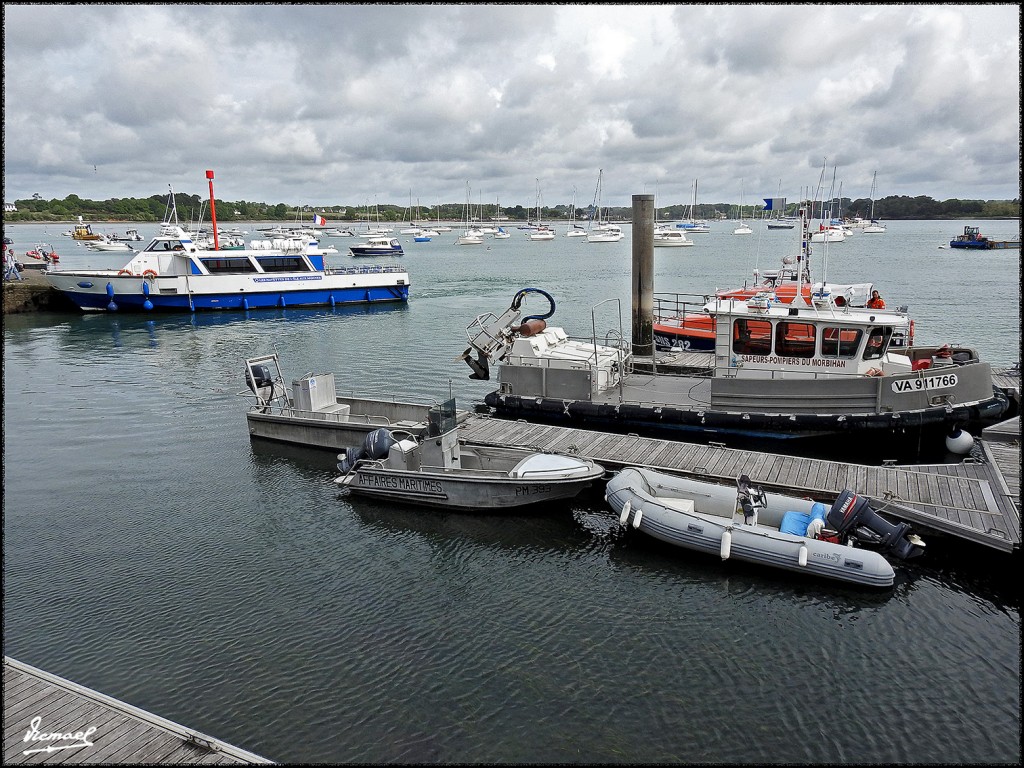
[(318, 220)]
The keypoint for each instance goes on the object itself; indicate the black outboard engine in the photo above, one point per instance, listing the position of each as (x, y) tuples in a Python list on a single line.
[(258, 376), (375, 445), (259, 379), (852, 512)]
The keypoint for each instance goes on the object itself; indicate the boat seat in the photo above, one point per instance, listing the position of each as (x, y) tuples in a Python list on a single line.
[(797, 522), (403, 455)]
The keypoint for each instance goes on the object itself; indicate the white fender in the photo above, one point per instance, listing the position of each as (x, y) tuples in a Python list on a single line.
[(726, 544), (625, 513), (636, 518), (959, 441), (802, 557)]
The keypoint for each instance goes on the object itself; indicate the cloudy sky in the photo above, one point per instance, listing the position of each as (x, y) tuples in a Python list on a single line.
[(350, 104)]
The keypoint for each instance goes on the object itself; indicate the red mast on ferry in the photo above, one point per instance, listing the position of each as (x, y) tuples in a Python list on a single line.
[(213, 212)]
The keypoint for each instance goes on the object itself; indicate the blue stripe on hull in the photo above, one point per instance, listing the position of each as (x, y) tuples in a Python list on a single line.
[(180, 302)]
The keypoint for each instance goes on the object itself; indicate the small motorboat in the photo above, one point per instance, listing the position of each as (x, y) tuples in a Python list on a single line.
[(671, 238), (771, 529), (436, 470), (377, 245)]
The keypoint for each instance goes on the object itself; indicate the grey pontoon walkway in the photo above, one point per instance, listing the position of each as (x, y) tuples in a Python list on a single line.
[(971, 500), (37, 703)]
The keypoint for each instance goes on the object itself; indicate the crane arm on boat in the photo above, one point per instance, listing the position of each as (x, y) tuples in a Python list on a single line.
[(492, 336)]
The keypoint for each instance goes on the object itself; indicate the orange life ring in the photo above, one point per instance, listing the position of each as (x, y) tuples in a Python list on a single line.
[(125, 272), (149, 273), (875, 372)]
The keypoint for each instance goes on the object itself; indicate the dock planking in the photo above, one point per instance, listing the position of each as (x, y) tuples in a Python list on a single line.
[(101, 729), (972, 500)]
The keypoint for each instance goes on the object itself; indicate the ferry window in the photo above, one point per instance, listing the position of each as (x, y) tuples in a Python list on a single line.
[(283, 264), (752, 337), (878, 340), (840, 342), (236, 266), (794, 339)]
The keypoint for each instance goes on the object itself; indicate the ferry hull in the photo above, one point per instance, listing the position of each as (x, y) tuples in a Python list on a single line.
[(128, 295)]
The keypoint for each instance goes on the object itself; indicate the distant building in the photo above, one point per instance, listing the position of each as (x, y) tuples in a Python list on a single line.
[(10, 208)]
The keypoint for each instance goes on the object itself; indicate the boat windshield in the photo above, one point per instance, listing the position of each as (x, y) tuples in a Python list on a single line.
[(878, 341), (441, 418)]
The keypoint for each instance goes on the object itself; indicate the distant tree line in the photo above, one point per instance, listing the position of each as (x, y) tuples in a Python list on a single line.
[(193, 208)]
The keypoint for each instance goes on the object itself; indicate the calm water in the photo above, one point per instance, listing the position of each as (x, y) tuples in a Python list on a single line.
[(155, 553)]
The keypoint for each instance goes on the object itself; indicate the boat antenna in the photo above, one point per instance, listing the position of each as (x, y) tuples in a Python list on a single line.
[(803, 255)]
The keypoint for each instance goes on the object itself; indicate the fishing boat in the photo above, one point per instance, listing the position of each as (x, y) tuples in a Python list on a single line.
[(436, 470), (83, 231), (805, 378), (972, 239), (311, 413), (172, 273), (848, 541), (377, 245)]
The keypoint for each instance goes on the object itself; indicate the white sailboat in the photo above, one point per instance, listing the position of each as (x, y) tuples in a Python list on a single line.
[(875, 227), (575, 230), (743, 228), (691, 224), (603, 232), (472, 235), (540, 230)]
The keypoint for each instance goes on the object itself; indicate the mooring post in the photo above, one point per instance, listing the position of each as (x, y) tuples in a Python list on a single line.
[(643, 276)]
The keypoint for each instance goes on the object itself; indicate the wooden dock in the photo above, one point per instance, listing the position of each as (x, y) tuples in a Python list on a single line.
[(49, 720), (971, 500)]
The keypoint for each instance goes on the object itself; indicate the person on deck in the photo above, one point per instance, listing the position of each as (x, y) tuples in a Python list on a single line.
[(875, 302)]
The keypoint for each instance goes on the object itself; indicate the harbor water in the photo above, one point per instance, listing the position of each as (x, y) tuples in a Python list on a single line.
[(154, 552)]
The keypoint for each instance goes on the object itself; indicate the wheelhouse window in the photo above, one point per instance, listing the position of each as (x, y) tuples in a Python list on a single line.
[(283, 264), (878, 341), (165, 245), (794, 339), (840, 342), (752, 337), (228, 266)]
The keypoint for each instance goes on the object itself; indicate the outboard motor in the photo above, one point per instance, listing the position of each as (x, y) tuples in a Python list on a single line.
[(375, 445), (258, 376), (852, 515), (259, 379)]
